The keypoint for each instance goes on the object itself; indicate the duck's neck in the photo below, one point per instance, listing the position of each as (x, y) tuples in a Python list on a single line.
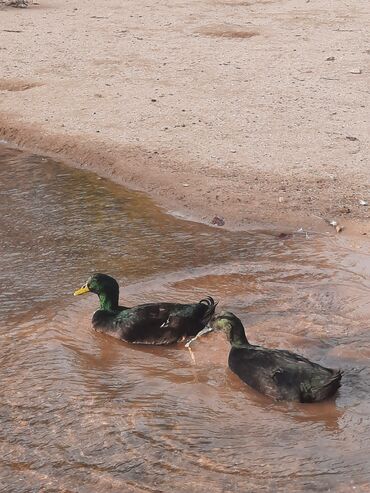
[(237, 335), (109, 300)]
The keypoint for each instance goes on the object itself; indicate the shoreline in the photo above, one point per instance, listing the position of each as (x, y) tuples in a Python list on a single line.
[(101, 158), (261, 121)]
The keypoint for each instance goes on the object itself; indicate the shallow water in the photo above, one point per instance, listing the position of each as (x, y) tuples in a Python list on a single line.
[(81, 412)]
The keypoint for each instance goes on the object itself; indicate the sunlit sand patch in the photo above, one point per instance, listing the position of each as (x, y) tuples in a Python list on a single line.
[(225, 31), (245, 3), (14, 85)]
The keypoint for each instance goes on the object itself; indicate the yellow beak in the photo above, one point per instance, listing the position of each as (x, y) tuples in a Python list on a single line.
[(82, 290)]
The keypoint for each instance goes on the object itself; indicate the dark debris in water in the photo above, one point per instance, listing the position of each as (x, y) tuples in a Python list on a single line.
[(218, 221)]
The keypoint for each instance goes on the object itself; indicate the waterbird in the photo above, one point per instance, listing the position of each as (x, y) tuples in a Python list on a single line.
[(277, 373), (151, 323)]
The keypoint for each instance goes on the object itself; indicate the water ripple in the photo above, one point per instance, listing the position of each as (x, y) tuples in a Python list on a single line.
[(81, 412)]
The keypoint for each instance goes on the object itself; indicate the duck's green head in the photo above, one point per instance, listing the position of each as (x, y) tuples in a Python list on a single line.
[(232, 326), (106, 287)]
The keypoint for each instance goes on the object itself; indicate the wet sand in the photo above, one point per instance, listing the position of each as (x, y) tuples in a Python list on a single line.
[(255, 111)]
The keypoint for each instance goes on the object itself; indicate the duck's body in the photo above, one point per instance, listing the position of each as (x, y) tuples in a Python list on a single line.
[(283, 375), (155, 323), (280, 374), (151, 323)]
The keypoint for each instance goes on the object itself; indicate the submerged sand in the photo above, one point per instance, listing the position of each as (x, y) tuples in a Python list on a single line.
[(255, 111)]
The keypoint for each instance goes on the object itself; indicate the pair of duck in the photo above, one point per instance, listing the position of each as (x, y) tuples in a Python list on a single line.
[(280, 374)]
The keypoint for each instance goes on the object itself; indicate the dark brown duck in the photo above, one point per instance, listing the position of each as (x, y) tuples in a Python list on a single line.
[(280, 374), (150, 323)]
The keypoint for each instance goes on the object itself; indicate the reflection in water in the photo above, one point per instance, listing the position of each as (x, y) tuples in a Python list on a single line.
[(82, 412)]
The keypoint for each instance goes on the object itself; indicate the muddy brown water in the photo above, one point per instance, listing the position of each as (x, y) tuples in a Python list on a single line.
[(81, 412)]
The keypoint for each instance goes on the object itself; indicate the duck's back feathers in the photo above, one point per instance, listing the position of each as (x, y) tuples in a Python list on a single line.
[(283, 375), (155, 323)]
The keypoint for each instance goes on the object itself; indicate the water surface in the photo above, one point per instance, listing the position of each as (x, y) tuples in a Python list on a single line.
[(81, 412)]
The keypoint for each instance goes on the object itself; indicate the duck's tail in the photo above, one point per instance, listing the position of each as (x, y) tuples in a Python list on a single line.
[(210, 309)]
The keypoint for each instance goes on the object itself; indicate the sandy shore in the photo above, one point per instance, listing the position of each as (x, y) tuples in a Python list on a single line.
[(256, 111)]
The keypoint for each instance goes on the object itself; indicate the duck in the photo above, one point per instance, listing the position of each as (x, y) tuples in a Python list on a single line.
[(279, 374), (151, 323)]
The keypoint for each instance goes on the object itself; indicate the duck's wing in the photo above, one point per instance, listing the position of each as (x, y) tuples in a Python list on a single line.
[(163, 323), (144, 323), (284, 375)]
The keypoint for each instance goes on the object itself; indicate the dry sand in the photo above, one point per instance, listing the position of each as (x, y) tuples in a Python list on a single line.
[(256, 111)]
